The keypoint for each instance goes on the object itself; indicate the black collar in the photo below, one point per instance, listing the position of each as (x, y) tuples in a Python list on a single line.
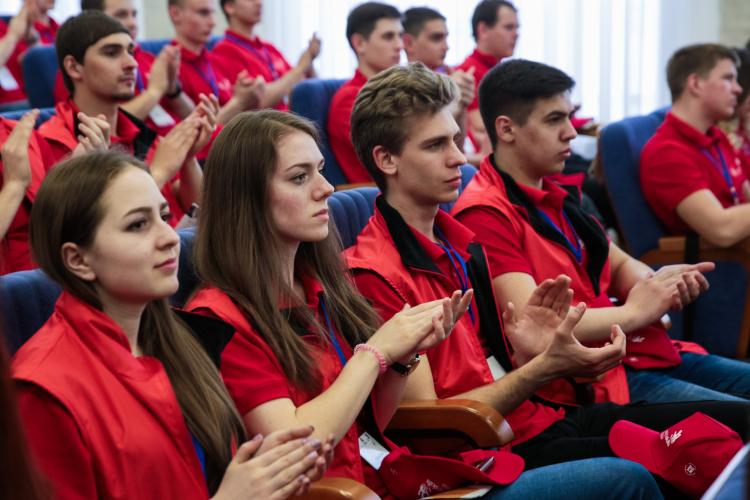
[(145, 138), (412, 253)]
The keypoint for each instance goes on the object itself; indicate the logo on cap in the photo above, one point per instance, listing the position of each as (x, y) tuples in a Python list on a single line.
[(690, 469), (669, 440)]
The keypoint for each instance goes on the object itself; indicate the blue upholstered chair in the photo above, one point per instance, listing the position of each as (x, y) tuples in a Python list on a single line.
[(27, 298), (39, 73), (44, 115), (312, 99), (721, 318)]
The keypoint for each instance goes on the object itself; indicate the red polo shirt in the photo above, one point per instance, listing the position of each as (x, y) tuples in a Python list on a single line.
[(236, 52), (15, 254), (101, 422), (340, 130), (416, 270), (132, 135), (254, 376), (46, 37), (200, 75), (680, 160), (481, 63)]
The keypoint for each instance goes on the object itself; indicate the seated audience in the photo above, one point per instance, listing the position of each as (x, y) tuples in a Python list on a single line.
[(374, 33), (241, 50), (95, 55), (689, 172), (31, 27), (193, 22), (494, 26), (426, 41), (114, 390), (159, 99), (534, 229), (24, 161), (411, 251)]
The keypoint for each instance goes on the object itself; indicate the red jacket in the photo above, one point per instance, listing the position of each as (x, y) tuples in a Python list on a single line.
[(15, 254), (340, 130), (394, 265), (101, 422), (14, 64)]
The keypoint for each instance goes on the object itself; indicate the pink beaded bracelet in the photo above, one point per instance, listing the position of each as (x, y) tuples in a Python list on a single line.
[(376, 352)]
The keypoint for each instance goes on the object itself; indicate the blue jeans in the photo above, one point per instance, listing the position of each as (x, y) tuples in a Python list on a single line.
[(599, 478), (697, 378)]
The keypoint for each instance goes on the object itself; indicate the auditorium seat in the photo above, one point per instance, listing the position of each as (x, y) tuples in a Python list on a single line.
[(44, 115), (154, 46), (721, 317), (312, 99), (39, 72)]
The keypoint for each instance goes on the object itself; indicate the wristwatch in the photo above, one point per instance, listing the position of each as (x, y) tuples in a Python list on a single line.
[(177, 91), (406, 369)]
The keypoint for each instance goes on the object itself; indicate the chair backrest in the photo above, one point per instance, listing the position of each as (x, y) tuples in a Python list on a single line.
[(312, 99), (352, 208), (620, 146), (44, 115), (39, 73), (27, 298), (154, 46)]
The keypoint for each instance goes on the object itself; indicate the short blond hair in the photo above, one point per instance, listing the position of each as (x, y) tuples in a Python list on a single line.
[(387, 103)]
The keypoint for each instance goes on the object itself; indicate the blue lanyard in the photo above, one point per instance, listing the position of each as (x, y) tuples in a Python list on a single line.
[(139, 80), (463, 274), (724, 170), (332, 333), (575, 247), (265, 56), (199, 451), (207, 74)]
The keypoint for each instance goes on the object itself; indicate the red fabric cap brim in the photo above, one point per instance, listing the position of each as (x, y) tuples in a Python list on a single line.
[(634, 442)]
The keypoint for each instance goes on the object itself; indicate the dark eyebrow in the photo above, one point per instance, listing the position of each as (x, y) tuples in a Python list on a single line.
[(146, 210), (305, 165)]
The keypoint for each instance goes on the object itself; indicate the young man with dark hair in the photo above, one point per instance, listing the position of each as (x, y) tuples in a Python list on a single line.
[(374, 32), (534, 229), (426, 41), (31, 27), (241, 49), (159, 99), (95, 56), (193, 22), (689, 172), (494, 26), (411, 250)]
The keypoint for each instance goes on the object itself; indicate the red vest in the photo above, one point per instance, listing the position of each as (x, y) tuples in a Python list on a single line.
[(124, 407), (458, 363)]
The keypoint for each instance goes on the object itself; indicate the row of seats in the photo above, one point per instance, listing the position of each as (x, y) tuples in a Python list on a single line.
[(27, 298)]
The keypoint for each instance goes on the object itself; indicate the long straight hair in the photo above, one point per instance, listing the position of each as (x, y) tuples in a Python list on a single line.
[(238, 248), (68, 208)]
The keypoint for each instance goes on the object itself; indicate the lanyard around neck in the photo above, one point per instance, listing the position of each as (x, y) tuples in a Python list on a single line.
[(206, 72), (721, 166), (263, 55), (461, 269), (332, 333), (575, 246)]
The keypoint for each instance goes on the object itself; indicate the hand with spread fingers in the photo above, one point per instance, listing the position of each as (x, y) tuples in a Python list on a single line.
[(93, 134)]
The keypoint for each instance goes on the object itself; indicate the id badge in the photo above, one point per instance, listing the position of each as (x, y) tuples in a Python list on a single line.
[(495, 368), (7, 82), (371, 451), (160, 117)]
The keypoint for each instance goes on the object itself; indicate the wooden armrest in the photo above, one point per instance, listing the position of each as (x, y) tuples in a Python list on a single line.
[(671, 250), (334, 488), (343, 187), (477, 491), (438, 427)]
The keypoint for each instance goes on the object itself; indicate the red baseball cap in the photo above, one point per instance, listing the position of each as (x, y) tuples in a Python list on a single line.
[(689, 455)]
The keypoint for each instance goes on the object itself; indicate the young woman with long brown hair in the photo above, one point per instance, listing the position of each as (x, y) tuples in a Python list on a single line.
[(308, 349), (118, 398)]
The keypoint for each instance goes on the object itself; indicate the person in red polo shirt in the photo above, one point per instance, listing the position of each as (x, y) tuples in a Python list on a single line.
[(534, 229), (159, 100), (689, 172), (193, 22), (32, 26), (374, 33), (494, 25), (26, 159), (411, 251), (94, 52), (241, 50)]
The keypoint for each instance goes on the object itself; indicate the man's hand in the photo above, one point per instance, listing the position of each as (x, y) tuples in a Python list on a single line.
[(465, 82), (158, 78), (532, 331), (249, 91), (93, 134), (15, 152)]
